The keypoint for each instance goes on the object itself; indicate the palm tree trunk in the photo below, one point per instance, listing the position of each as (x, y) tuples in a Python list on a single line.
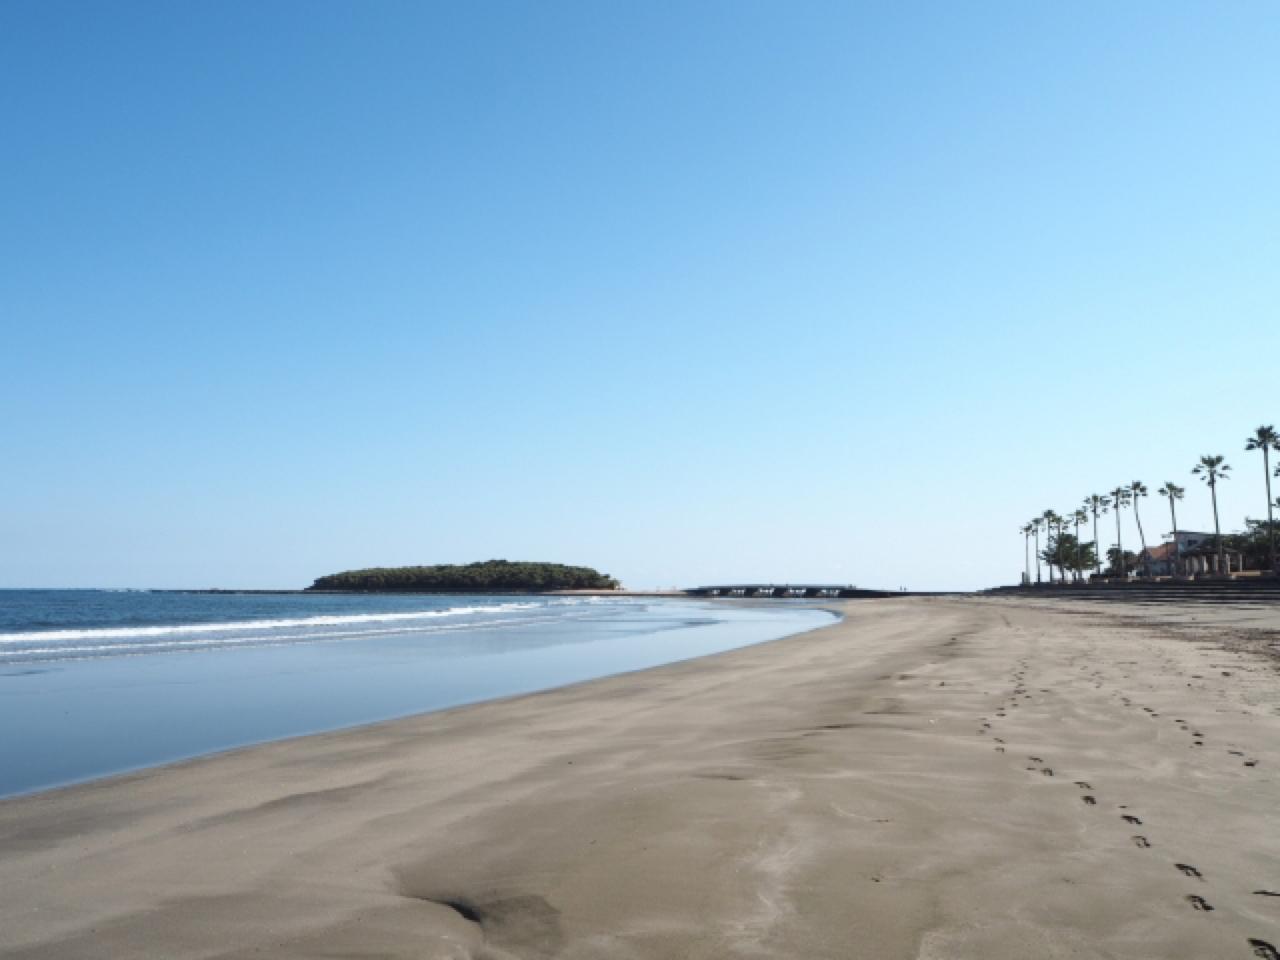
[(1177, 550), (1097, 547), (1120, 548), (1271, 524), (1026, 552), (1141, 536), (1037, 554), (1217, 530), (1077, 569)]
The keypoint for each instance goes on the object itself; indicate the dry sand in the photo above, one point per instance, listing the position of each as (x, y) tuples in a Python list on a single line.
[(932, 778)]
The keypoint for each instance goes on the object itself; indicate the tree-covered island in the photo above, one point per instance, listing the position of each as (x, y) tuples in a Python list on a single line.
[(489, 576)]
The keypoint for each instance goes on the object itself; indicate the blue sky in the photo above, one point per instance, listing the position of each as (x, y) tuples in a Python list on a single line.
[(687, 292)]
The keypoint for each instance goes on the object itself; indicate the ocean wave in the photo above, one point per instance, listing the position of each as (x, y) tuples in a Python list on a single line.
[(61, 652), (328, 620)]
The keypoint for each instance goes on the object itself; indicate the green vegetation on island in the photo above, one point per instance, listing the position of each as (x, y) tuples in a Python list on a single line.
[(489, 576)]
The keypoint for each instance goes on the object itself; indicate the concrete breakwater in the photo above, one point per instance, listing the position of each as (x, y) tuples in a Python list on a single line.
[(1235, 590)]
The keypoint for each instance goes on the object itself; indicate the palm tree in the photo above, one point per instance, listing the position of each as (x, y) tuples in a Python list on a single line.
[(1120, 499), (1061, 523), (1079, 516), (1047, 528), (1026, 531), (1211, 469), (1138, 489), (1096, 503), (1036, 523), (1266, 439), (1173, 492), (1051, 521)]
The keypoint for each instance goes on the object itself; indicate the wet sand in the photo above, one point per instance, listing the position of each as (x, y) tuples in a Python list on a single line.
[(931, 778)]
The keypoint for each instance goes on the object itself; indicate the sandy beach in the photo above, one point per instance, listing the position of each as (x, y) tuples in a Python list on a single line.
[(932, 778)]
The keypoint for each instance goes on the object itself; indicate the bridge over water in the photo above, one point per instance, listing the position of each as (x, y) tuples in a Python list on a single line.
[(811, 590)]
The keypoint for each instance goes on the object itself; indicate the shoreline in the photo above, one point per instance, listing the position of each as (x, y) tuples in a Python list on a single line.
[(105, 780), (692, 593), (86, 719), (875, 787)]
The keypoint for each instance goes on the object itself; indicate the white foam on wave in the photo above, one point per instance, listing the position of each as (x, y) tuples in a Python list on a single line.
[(113, 633), (100, 650)]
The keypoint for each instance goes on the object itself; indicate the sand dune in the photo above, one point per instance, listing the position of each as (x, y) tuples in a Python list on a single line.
[(932, 778)]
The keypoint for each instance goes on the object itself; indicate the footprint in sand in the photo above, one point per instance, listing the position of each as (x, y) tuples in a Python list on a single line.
[(1200, 903), (1189, 871), (1263, 949), (1083, 785), (1142, 842), (1091, 801), (1132, 819)]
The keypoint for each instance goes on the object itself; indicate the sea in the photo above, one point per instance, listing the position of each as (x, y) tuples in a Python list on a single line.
[(101, 682)]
